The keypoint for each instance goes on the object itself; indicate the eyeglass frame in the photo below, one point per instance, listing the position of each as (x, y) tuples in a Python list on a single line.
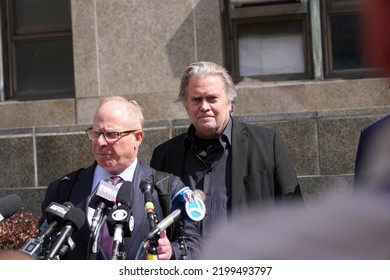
[(118, 134)]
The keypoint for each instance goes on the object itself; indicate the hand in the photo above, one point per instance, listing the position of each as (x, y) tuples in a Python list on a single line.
[(164, 248)]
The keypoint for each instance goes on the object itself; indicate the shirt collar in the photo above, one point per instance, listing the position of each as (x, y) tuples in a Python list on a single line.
[(225, 137), (102, 174)]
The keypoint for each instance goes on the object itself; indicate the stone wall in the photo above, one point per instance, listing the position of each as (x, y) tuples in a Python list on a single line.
[(321, 144)]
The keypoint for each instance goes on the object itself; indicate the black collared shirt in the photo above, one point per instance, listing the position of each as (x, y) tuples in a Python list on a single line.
[(208, 167)]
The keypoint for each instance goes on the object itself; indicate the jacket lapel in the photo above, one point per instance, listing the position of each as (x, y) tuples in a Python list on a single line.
[(239, 164), (176, 168)]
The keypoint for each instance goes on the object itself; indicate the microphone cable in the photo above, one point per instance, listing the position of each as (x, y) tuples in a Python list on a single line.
[(93, 248), (141, 246)]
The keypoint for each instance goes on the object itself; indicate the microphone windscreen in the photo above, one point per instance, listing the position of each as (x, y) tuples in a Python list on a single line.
[(69, 204), (180, 198), (105, 192), (126, 194), (195, 207), (200, 194), (56, 212), (9, 205), (75, 216), (146, 186), (192, 202)]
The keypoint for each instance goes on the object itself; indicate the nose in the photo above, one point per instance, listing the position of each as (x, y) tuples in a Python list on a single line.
[(101, 140), (204, 106)]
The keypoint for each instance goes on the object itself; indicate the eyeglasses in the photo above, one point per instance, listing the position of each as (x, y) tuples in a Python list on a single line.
[(110, 136)]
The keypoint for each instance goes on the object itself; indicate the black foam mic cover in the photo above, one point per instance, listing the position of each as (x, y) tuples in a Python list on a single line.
[(75, 217), (73, 221), (146, 186), (126, 194), (9, 205)]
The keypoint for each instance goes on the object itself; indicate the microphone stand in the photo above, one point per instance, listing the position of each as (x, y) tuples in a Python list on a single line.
[(94, 238), (119, 223), (58, 250), (153, 243), (64, 249), (118, 248), (147, 189), (182, 242)]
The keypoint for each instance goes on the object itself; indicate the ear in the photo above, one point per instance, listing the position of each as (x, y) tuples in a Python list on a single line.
[(139, 135), (230, 106)]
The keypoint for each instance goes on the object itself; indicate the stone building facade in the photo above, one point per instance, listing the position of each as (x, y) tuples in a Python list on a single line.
[(138, 49)]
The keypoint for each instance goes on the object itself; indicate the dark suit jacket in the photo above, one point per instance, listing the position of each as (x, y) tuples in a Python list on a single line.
[(79, 197), (261, 168), (371, 163)]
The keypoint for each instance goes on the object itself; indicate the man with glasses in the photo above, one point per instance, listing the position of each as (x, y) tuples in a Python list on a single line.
[(116, 135)]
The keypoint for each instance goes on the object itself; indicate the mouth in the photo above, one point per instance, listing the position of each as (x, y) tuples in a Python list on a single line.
[(206, 117), (104, 154)]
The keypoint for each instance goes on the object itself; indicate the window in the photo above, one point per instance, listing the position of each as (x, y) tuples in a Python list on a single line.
[(276, 39), (269, 39), (38, 54), (271, 48), (342, 37), (239, 3)]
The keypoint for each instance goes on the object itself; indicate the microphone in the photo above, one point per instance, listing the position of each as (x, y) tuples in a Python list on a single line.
[(193, 201), (147, 189), (73, 221), (120, 221), (123, 213), (55, 214), (103, 197), (186, 204), (9, 205)]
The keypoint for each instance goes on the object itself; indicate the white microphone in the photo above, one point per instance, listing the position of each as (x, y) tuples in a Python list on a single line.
[(103, 197), (120, 221)]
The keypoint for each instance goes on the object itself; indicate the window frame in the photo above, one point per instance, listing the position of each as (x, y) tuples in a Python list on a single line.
[(318, 54), (40, 33), (273, 77), (276, 12), (331, 8)]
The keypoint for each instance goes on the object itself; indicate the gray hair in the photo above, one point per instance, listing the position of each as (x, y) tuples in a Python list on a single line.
[(205, 68)]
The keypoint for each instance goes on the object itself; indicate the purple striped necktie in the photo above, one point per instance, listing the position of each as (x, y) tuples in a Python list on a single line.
[(116, 179)]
